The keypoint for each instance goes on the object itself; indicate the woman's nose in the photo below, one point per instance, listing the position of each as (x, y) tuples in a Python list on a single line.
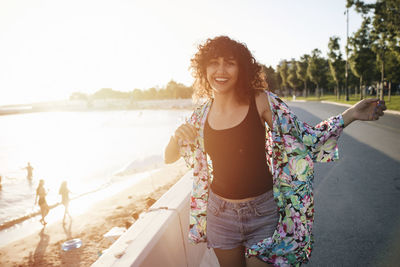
[(221, 67)]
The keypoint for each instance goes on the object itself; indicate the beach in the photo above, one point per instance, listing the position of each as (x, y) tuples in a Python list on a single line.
[(43, 248), (90, 150)]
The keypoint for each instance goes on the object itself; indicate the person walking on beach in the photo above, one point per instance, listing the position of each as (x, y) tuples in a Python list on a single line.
[(29, 171), (64, 192), (41, 194), (252, 160)]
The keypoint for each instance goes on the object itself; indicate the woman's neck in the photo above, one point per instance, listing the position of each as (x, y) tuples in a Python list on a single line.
[(222, 103)]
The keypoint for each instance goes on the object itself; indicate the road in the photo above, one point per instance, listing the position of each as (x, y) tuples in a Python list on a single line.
[(357, 199)]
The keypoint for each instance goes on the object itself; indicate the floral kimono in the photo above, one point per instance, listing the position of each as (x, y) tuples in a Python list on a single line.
[(291, 148)]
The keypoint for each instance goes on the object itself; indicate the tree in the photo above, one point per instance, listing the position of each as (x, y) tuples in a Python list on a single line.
[(385, 20), (283, 73), (78, 96), (292, 78), (151, 93), (301, 71), (270, 77), (317, 69), (392, 67), (137, 94), (178, 90), (362, 58), (336, 64), (105, 93), (385, 17)]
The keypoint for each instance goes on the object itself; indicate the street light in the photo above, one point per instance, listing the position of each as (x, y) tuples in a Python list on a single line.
[(347, 49)]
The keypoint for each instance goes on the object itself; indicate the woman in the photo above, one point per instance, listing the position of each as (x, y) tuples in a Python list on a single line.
[(41, 194), (64, 192), (252, 160)]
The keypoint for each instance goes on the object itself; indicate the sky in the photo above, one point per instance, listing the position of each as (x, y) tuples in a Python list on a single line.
[(52, 48)]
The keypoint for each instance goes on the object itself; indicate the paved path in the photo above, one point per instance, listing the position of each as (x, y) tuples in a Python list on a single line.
[(357, 199)]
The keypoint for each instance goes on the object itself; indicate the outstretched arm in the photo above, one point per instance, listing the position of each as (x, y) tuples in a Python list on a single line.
[(365, 110)]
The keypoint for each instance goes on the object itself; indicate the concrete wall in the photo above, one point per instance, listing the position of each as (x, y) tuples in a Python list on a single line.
[(159, 237)]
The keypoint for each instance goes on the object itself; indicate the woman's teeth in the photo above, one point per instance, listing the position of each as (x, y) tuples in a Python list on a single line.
[(221, 79)]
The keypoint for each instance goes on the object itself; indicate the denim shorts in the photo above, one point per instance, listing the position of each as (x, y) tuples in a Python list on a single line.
[(230, 225)]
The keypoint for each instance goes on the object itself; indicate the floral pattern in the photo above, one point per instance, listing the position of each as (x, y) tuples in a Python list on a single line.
[(291, 149)]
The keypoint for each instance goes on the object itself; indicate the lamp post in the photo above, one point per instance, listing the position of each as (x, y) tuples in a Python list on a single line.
[(346, 88)]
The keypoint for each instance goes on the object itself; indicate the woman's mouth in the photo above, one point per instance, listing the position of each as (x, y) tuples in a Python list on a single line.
[(221, 80)]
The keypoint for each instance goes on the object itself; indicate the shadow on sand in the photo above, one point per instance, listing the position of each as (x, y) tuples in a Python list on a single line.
[(38, 259)]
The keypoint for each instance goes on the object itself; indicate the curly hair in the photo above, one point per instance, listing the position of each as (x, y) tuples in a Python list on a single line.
[(251, 77)]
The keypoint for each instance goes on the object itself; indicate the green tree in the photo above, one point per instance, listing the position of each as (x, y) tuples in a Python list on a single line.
[(385, 20), (317, 70), (301, 71), (271, 78), (292, 78), (283, 73), (336, 63), (385, 17), (362, 57)]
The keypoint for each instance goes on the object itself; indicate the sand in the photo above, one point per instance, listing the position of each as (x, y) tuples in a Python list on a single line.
[(44, 247)]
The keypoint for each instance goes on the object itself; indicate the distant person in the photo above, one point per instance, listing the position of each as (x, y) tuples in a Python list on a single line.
[(41, 194), (29, 171), (64, 192)]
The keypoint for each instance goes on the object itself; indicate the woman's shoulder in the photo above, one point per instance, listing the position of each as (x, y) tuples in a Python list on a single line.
[(262, 100), (261, 94)]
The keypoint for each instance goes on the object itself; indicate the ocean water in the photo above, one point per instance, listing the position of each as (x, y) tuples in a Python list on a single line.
[(90, 150)]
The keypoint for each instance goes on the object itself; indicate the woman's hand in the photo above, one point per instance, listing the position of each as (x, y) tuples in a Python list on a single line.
[(366, 110), (185, 132)]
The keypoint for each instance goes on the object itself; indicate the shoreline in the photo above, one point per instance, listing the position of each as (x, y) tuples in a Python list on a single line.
[(43, 247), (105, 105)]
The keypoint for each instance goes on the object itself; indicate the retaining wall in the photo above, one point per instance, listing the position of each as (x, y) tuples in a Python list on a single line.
[(159, 236)]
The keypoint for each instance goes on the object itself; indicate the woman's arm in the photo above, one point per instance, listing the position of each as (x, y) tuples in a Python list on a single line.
[(264, 109), (171, 153), (366, 110)]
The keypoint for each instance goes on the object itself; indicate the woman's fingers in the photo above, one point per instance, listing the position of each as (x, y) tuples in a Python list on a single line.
[(186, 132), (370, 109), (380, 107)]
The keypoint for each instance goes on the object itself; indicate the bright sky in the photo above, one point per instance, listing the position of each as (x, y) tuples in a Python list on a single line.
[(51, 48)]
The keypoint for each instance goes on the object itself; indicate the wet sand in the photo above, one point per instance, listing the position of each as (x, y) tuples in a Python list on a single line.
[(43, 248)]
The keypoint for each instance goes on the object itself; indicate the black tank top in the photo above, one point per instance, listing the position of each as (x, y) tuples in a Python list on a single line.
[(238, 155)]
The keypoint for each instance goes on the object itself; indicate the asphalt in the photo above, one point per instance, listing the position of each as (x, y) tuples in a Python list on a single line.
[(357, 199)]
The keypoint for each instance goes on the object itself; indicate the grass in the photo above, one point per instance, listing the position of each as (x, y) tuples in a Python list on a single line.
[(393, 104)]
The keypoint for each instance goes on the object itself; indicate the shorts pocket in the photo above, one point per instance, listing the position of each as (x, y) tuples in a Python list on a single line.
[(212, 208), (265, 208)]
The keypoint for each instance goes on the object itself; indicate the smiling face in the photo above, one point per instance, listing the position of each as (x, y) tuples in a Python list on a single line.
[(222, 74)]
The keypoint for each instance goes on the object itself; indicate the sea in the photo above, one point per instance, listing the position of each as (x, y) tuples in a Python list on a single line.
[(91, 150)]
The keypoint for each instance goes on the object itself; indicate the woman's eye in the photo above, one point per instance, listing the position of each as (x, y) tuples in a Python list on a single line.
[(232, 63)]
